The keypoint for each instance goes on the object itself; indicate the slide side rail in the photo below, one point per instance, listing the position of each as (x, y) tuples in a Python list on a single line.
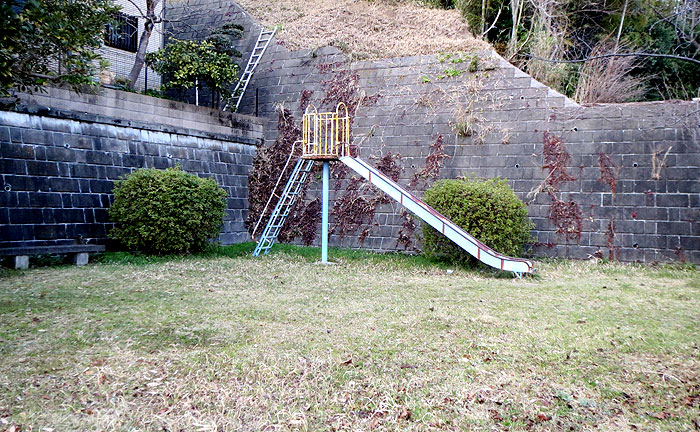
[(433, 218)]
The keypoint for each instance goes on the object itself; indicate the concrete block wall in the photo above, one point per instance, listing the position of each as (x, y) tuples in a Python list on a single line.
[(134, 107), (58, 166), (655, 214)]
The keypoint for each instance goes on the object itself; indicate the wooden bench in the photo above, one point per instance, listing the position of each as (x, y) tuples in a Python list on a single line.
[(79, 253)]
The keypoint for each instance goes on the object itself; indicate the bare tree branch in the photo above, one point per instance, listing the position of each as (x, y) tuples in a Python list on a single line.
[(681, 32), (485, 32), (634, 54), (135, 5)]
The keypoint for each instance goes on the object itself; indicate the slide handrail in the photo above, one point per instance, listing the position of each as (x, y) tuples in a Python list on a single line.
[(262, 215)]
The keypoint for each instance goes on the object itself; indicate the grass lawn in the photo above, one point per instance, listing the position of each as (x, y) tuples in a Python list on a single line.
[(228, 342)]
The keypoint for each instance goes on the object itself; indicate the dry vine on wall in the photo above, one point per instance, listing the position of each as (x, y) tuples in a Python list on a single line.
[(355, 208), (433, 164), (356, 201), (269, 162), (565, 215), (608, 172), (267, 168)]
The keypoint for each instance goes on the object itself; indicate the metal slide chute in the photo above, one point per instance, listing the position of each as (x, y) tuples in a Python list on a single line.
[(430, 216)]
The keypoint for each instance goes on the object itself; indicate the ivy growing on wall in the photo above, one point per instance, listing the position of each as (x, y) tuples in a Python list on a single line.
[(433, 163), (355, 202), (565, 215), (355, 207), (608, 172), (268, 165)]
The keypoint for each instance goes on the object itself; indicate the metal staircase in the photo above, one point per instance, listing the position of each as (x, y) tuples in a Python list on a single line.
[(279, 215), (260, 46)]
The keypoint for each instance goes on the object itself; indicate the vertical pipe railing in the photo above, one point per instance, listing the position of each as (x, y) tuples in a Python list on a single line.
[(329, 134)]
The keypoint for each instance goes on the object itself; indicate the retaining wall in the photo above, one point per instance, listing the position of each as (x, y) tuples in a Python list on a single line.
[(634, 176), (60, 159)]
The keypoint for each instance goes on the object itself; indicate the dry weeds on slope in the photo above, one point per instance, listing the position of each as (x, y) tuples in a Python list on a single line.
[(366, 29)]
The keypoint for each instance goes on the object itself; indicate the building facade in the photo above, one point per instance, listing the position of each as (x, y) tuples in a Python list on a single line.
[(121, 43)]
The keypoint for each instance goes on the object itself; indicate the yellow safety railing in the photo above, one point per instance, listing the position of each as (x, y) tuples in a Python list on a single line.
[(326, 135)]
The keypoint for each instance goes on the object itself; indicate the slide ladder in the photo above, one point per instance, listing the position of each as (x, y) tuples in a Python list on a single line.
[(261, 44), (480, 251), (289, 196)]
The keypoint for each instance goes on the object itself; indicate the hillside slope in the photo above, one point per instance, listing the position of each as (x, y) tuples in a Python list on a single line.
[(366, 29)]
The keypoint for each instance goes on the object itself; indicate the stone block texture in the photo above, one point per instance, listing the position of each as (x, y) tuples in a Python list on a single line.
[(58, 163), (634, 168)]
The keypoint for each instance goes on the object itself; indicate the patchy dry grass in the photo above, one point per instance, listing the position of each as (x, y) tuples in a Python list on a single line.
[(366, 29), (372, 343)]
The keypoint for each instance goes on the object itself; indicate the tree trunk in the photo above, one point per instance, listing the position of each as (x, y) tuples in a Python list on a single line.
[(150, 18), (622, 22), (516, 9), (141, 52)]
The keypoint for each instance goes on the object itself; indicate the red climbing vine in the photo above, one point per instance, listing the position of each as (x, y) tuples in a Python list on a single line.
[(303, 222), (433, 164), (339, 172), (405, 234), (565, 215), (355, 201), (556, 159), (305, 99), (612, 249), (567, 219), (608, 172), (390, 165), (344, 86), (267, 168), (355, 208)]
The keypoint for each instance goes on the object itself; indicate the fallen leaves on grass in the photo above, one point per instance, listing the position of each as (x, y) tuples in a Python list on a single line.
[(487, 357)]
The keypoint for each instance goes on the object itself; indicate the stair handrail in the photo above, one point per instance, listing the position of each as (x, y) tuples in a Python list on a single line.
[(262, 215)]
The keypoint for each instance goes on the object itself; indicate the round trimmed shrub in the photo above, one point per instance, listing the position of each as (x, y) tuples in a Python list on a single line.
[(166, 211), (486, 209)]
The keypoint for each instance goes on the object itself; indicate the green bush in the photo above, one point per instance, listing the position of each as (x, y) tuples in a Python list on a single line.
[(185, 64), (486, 209), (166, 211), (36, 35)]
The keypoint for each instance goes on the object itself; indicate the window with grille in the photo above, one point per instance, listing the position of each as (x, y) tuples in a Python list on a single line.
[(122, 33)]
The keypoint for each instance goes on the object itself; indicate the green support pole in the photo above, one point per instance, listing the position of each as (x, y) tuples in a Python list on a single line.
[(324, 222)]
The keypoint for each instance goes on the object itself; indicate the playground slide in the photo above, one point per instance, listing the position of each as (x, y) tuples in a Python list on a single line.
[(477, 249)]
